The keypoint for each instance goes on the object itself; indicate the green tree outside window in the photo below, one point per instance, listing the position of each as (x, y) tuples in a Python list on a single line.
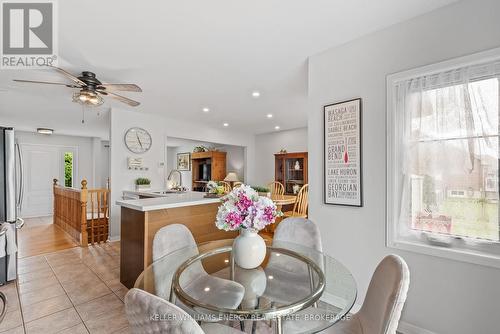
[(68, 169)]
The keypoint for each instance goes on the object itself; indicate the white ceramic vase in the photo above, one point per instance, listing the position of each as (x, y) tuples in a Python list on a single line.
[(249, 249)]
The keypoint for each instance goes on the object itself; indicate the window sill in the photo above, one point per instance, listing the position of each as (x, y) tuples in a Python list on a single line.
[(457, 254)]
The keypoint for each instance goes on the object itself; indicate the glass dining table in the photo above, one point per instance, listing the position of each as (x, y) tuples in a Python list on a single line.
[(295, 290)]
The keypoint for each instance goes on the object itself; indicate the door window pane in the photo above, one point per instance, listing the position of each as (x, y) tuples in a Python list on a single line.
[(68, 169)]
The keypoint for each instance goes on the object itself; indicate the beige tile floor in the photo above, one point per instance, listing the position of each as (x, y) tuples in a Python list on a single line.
[(73, 291)]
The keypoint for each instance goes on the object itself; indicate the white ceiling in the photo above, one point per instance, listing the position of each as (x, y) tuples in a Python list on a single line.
[(190, 54)]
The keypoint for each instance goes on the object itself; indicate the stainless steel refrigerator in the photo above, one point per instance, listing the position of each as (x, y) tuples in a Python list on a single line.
[(11, 196)]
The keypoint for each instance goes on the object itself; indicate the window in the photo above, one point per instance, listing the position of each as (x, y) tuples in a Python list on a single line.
[(68, 169), (443, 155)]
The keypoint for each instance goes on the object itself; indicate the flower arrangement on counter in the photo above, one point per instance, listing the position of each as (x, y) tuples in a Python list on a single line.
[(243, 208), (214, 188)]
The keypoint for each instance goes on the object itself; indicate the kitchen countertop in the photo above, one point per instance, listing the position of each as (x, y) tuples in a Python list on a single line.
[(168, 201)]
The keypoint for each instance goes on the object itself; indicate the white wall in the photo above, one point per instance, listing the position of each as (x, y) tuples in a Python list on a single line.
[(121, 177), (160, 127), (266, 145), (172, 163), (235, 160), (446, 297)]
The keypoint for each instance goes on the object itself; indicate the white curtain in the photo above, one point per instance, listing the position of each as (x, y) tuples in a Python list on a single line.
[(447, 130)]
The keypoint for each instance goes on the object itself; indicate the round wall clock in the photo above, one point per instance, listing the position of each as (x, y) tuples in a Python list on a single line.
[(138, 140)]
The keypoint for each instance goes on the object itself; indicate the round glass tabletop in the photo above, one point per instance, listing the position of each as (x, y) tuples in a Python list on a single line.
[(295, 290)]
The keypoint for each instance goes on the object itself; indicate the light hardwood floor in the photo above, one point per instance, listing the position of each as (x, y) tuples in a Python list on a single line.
[(40, 236), (73, 291)]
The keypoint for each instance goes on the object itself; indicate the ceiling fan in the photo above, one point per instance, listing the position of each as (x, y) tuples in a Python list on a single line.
[(91, 90)]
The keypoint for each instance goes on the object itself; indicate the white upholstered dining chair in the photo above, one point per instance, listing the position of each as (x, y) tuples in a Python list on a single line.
[(299, 231), (149, 314), (381, 309), (194, 280), (303, 236), (383, 303)]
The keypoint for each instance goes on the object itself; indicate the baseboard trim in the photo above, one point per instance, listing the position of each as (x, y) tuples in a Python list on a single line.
[(117, 238), (406, 328)]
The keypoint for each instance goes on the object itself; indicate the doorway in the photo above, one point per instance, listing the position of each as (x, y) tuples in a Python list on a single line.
[(42, 164)]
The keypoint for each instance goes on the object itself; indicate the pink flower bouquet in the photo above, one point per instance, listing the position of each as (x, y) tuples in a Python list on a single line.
[(243, 208)]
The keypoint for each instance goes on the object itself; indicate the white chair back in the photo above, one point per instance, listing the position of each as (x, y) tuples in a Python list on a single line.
[(301, 235), (148, 313), (300, 231), (170, 239), (386, 296)]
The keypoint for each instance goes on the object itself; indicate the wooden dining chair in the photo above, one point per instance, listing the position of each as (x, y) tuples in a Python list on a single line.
[(226, 185), (301, 204), (276, 188), (141, 308)]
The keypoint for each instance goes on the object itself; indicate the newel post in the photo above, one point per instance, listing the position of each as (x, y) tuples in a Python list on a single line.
[(56, 208), (83, 229)]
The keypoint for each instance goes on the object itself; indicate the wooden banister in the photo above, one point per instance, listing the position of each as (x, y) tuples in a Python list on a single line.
[(81, 212)]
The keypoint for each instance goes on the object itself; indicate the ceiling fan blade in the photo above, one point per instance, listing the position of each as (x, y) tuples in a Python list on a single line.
[(120, 98), (122, 87), (69, 75), (47, 83)]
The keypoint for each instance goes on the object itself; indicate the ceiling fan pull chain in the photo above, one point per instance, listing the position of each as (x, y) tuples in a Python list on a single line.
[(83, 114)]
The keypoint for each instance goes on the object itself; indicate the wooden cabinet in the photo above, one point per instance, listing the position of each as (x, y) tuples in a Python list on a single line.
[(291, 170), (207, 166)]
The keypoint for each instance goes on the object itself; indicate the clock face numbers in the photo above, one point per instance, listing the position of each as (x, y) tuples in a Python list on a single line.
[(138, 140)]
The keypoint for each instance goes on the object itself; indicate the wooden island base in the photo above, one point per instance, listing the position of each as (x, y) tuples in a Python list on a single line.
[(138, 229)]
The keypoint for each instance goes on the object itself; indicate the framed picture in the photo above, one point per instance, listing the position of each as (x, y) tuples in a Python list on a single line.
[(184, 161), (342, 153)]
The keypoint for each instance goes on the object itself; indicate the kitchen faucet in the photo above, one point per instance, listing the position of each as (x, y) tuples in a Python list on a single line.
[(180, 176)]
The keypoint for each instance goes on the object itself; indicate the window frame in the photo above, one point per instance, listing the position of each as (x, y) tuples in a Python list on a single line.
[(461, 249)]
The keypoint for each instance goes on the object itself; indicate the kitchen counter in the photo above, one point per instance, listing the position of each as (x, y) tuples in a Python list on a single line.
[(141, 218), (165, 201)]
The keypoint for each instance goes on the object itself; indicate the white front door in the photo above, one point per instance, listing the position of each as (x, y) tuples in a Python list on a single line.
[(42, 164)]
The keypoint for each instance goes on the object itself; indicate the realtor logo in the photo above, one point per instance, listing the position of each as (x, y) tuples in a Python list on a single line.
[(28, 31)]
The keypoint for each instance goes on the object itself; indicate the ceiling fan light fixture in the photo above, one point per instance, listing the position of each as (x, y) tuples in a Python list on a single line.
[(88, 98), (83, 97)]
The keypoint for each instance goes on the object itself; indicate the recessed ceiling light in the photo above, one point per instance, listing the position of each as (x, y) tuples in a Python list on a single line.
[(45, 131), (206, 109), (226, 124), (269, 115), (277, 127), (255, 94)]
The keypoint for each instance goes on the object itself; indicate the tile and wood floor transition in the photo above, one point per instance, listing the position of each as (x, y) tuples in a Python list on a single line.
[(40, 236), (75, 291)]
